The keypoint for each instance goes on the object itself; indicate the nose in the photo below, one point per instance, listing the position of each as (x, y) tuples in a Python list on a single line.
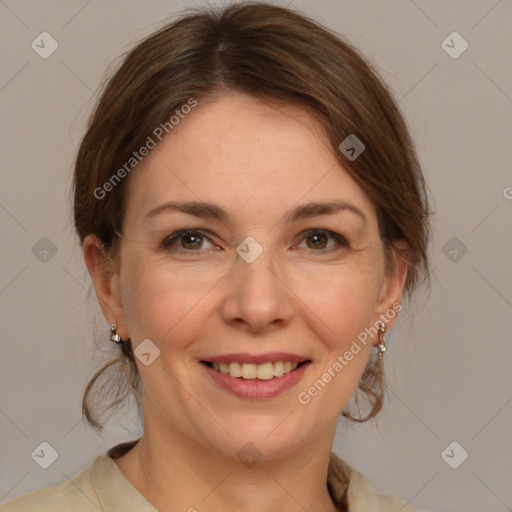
[(257, 297)]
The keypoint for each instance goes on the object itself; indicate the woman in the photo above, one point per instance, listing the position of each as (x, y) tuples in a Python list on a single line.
[(252, 214)]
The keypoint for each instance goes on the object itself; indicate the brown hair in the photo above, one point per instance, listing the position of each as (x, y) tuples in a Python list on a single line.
[(272, 53)]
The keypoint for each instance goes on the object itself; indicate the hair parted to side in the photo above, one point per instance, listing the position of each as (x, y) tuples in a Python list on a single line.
[(272, 53)]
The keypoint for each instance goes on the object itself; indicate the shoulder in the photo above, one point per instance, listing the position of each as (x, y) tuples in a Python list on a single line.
[(50, 498), (359, 495), (75, 495), (102, 486), (362, 497)]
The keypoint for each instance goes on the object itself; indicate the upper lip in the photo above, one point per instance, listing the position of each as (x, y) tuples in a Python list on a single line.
[(271, 357)]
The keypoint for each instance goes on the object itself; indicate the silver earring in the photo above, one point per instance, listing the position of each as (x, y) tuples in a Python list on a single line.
[(382, 340), (114, 336)]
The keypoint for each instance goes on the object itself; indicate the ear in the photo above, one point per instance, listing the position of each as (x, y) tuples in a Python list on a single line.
[(390, 300), (106, 283)]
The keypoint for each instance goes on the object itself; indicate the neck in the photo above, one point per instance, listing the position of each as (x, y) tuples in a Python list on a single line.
[(174, 473)]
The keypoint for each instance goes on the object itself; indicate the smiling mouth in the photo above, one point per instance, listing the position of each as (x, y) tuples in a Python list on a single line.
[(250, 371)]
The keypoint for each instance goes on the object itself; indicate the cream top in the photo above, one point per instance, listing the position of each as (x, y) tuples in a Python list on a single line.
[(104, 487)]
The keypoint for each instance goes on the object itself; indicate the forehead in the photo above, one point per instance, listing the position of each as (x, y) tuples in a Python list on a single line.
[(244, 152)]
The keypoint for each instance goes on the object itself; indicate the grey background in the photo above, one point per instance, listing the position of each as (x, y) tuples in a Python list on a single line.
[(449, 358)]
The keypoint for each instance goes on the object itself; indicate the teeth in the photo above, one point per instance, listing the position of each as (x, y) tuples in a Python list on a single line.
[(235, 369), (278, 368), (264, 371), (249, 371)]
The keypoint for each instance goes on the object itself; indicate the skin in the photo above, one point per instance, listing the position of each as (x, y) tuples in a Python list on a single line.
[(303, 295)]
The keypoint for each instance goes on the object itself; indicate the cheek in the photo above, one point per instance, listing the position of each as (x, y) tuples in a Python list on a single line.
[(353, 307), (343, 310), (339, 303), (158, 305), (335, 301)]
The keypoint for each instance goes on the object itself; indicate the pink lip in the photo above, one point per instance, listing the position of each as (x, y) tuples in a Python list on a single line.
[(269, 357), (255, 388)]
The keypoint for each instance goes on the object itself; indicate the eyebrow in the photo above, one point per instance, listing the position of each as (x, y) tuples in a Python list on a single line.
[(210, 210)]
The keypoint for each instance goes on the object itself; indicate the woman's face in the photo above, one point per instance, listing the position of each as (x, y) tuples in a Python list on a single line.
[(302, 288)]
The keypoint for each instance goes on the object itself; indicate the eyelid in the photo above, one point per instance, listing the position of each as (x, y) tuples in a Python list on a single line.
[(333, 234), (171, 239), (190, 231)]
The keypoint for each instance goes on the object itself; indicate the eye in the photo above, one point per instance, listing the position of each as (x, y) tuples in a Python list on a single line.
[(317, 240), (192, 240), (186, 241)]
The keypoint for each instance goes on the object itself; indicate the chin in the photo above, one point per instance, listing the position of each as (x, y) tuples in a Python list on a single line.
[(264, 437)]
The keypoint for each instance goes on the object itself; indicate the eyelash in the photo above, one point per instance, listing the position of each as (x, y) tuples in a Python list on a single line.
[(169, 242)]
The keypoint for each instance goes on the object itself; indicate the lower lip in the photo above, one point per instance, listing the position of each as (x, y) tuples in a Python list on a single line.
[(255, 388)]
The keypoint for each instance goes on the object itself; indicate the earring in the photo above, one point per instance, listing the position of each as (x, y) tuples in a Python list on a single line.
[(114, 336), (382, 340)]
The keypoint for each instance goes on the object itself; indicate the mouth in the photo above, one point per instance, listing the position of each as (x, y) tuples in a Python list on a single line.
[(251, 371)]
